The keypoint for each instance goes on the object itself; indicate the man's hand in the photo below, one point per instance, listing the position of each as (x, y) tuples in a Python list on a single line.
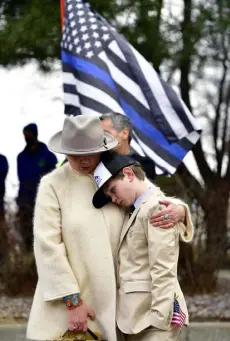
[(78, 318), (175, 214)]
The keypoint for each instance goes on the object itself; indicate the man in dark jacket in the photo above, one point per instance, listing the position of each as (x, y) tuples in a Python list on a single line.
[(3, 174), (121, 128), (3, 235), (33, 162)]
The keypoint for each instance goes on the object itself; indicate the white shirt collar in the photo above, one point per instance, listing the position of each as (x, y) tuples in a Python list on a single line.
[(140, 198)]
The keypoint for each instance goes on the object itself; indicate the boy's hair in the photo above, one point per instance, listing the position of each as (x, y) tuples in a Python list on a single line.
[(137, 170)]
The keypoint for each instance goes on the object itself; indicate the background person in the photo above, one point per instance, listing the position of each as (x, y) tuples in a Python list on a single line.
[(3, 174), (121, 128), (32, 164), (3, 234)]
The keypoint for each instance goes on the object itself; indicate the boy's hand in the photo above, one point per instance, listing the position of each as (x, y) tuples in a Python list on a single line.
[(169, 216), (78, 318)]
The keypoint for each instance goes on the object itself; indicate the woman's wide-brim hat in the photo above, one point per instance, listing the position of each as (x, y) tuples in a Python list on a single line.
[(82, 135)]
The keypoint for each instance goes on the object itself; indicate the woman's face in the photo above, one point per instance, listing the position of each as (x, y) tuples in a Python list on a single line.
[(84, 164)]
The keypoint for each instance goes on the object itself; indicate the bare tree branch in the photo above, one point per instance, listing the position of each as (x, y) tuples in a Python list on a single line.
[(217, 121), (202, 164), (192, 185)]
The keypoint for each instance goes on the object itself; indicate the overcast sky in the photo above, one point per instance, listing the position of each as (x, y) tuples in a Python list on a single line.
[(27, 96)]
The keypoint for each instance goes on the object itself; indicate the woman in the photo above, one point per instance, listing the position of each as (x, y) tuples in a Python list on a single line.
[(74, 243)]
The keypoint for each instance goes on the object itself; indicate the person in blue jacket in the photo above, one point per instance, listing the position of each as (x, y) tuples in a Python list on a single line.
[(32, 164), (3, 173)]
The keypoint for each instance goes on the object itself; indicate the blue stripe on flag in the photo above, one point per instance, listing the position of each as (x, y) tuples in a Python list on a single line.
[(87, 67), (153, 133), (92, 69)]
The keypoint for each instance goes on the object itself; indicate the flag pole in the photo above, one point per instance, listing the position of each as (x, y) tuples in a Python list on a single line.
[(62, 6)]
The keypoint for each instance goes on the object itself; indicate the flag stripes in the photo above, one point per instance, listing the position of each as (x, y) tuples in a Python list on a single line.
[(104, 73)]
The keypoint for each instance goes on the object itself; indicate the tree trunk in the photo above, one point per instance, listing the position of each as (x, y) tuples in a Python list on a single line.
[(211, 257), (216, 220)]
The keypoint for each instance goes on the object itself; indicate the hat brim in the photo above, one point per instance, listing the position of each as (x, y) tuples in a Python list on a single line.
[(100, 199), (56, 146)]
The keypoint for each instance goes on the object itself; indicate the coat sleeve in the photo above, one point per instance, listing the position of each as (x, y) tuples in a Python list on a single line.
[(187, 229), (54, 271), (163, 257)]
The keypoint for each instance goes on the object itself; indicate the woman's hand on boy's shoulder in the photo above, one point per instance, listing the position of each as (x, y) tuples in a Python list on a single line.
[(169, 216)]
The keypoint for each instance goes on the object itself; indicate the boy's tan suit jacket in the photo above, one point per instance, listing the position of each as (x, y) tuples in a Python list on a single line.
[(147, 270)]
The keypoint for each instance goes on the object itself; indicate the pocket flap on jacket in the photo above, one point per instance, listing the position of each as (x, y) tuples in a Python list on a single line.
[(140, 286)]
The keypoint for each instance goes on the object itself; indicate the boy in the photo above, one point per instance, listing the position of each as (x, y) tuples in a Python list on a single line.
[(151, 306)]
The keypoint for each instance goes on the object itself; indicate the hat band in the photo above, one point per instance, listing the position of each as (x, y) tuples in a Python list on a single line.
[(103, 145)]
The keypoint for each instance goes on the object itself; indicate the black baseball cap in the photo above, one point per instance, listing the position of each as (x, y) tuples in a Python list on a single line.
[(110, 165)]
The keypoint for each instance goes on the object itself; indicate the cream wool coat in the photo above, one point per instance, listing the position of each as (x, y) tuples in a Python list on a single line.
[(75, 248)]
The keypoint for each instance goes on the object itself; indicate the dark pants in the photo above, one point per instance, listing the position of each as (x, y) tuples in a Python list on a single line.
[(25, 220)]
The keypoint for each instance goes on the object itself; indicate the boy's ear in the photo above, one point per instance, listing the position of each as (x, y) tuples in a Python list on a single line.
[(128, 173)]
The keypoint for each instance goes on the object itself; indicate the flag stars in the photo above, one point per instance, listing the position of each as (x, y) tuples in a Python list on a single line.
[(82, 21), (97, 44), (79, 6), (92, 20), (89, 54), (83, 29), (104, 28), (94, 27), (78, 49), (70, 7), (76, 40), (72, 24), (95, 35), (105, 37), (87, 45), (80, 13), (85, 36), (71, 15), (74, 33)]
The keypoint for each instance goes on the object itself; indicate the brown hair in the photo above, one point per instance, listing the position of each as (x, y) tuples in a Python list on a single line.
[(137, 170)]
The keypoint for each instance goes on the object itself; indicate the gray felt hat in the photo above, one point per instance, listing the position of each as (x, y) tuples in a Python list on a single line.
[(82, 135)]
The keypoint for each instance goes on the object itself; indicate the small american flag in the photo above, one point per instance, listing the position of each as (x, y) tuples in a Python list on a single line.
[(178, 317)]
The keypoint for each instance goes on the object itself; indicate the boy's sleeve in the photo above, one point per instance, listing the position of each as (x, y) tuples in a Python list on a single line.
[(163, 253), (187, 229)]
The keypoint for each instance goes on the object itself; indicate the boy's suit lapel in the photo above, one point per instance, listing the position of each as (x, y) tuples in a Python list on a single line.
[(133, 216), (129, 223)]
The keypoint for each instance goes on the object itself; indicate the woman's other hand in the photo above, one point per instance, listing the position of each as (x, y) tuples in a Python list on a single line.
[(78, 318)]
